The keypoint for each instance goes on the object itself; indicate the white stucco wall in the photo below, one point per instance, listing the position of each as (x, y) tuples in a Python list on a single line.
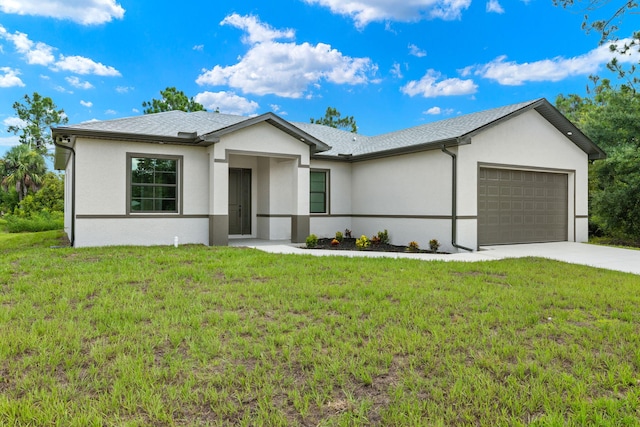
[(101, 202), (405, 194), (101, 173), (261, 139), (141, 231), (409, 195), (68, 199), (338, 217)]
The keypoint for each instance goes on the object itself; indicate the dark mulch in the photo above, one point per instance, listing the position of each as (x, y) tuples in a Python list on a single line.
[(349, 244)]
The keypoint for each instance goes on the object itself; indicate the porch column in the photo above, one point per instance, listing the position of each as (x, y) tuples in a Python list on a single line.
[(218, 201), (300, 219)]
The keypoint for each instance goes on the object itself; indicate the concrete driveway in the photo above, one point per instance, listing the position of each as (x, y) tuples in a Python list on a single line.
[(625, 260)]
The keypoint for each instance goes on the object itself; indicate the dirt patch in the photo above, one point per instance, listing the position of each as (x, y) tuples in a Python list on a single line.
[(349, 244)]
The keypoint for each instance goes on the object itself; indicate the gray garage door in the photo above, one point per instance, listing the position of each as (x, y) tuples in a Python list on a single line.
[(521, 206)]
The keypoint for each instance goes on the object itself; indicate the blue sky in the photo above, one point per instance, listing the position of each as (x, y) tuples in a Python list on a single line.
[(390, 63)]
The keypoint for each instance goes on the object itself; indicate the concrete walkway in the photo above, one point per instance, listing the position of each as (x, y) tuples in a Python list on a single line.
[(625, 260)]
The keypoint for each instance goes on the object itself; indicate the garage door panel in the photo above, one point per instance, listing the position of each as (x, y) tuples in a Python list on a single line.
[(521, 206)]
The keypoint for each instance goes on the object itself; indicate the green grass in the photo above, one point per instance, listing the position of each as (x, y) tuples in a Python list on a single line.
[(193, 335), (615, 242)]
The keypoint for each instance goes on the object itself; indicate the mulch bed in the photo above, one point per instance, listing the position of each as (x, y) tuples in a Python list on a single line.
[(349, 244)]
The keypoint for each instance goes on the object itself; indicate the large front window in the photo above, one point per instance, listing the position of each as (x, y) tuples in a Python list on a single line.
[(154, 184)]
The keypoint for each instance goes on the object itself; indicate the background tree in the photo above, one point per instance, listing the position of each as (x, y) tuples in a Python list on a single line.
[(22, 169), (607, 28), (38, 114), (332, 118), (610, 117), (172, 99), (49, 199)]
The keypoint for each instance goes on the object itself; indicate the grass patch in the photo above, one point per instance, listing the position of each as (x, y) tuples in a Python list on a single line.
[(40, 222), (615, 242), (228, 336)]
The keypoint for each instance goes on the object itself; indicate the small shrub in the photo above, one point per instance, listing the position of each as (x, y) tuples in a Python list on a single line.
[(339, 236), (347, 233), (375, 240), (413, 246), (434, 245), (383, 237), (335, 242), (312, 241), (363, 242)]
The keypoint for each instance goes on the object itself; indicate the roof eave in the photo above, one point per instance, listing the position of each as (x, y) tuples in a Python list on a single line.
[(427, 146), (569, 130), (188, 138)]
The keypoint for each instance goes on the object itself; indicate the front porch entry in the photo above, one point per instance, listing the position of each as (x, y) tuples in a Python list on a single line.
[(259, 196)]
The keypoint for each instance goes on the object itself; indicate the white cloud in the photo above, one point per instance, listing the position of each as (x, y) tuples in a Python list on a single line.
[(87, 104), (61, 89), (9, 141), (416, 51), (396, 71), (284, 69), (435, 111), (226, 102), (77, 83), (364, 12), (111, 112), (82, 65), (14, 121), (430, 86), (277, 109), (9, 77), (123, 89), (135, 110), (199, 47), (86, 12), (34, 53), (511, 73), (257, 32), (38, 53), (494, 6)]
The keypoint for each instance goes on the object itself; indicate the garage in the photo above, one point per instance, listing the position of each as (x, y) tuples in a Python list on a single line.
[(520, 206)]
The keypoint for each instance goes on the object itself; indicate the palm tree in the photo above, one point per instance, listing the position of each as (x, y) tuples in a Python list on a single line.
[(22, 168)]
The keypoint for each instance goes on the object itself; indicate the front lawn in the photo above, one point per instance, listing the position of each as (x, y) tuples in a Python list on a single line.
[(193, 335)]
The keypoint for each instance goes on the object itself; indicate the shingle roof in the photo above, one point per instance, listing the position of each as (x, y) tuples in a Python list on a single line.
[(193, 127), (430, 133), (163, 124)]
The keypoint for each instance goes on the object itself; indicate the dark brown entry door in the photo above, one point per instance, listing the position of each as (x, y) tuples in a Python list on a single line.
[(239, 201)]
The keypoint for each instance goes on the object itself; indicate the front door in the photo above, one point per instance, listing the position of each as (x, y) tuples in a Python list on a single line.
[(239, 201)]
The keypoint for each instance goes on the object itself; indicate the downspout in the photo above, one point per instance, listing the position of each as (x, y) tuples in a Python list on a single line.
[(73, 190), (454, 197)]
